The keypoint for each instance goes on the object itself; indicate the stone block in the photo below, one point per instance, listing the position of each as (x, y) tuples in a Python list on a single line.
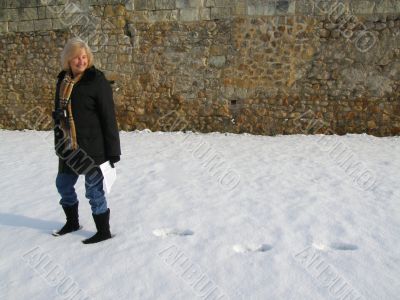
[(12, 14), (205, 13), (292, 7), (3, 15), (240, 8), (385, 6), (262, 7), (30, 3), (188, 3), (130, 5), (331, 7), (163, 15), (209, 3), (189, 14), (58, 24), (12, 26), (25, 26), (3, 27), (43, 25), (41, 12), (139, 16), (221, 13), (53, 12), (27, 14), (362, 7), (144, 4), (304, 7), (165, 4), (217, 61), (282, 7), (270, 8), (224, 3), (397, 7), (140, 4)]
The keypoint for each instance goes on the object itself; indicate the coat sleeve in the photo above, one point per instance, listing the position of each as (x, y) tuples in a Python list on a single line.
[(105, 105)]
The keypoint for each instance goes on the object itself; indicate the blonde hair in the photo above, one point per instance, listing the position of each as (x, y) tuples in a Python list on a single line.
[(70, 50)]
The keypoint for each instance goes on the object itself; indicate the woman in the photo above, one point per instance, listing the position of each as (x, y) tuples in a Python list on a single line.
[(86, 135)]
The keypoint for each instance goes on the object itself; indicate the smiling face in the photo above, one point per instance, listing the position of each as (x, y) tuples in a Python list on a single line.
[(79, 62)]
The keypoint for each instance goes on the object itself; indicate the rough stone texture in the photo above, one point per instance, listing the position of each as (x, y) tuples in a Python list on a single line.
[(257, 66), (189, 14), (43, 25)]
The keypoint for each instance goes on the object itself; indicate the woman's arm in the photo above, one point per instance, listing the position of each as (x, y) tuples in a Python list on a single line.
[(105, 105)]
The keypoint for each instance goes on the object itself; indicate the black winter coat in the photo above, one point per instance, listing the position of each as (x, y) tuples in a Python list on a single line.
[(96, 126)]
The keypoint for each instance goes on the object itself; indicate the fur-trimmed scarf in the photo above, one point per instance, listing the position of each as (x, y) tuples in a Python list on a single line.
[(67, 123)]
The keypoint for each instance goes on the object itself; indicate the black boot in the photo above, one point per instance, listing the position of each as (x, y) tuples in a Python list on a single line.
[(72, 224), (102, 222)]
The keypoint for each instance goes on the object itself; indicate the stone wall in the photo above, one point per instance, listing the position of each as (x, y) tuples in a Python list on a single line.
[(257, 66)]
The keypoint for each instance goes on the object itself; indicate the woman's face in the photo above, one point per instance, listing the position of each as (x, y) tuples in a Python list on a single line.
[(79, 62)]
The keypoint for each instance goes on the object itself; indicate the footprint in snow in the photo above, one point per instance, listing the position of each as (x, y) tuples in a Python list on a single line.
[(165, 232), (335, 246), (343, 246), (251, 248)]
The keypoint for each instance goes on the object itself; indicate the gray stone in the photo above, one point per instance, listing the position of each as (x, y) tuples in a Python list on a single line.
[(53, 12), (140, 16), (304, 7), (144, 5), (163, 15), (282, 7), (362, 7), (41, 12), (3, 15), (240, 8), (25, 26), (43, 25), (292, 7), (270, 9), (336, 33), (30, 3), (266, 7), (331, 26), (3, 27), (217, 61), (209, 3), (188, 3), (380, 26), (385, 6), (324, 33), (189, 14), (397, 7), (165, 4), (12, 26), (205, 14), (140, 4), (253, 10), (331, 8), (221, 13), (130, 5), (27, 14), (223, 3), (58, 24)]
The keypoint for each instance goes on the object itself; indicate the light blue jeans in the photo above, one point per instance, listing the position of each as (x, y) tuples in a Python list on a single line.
[(65, 183)]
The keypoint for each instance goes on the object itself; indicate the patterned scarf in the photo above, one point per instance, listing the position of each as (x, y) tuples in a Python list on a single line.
[(67, 123)]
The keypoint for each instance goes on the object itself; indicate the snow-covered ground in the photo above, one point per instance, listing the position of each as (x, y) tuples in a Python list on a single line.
[(209, 216)]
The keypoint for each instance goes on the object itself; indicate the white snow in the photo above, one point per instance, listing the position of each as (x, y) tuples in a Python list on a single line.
[(209, 216)]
